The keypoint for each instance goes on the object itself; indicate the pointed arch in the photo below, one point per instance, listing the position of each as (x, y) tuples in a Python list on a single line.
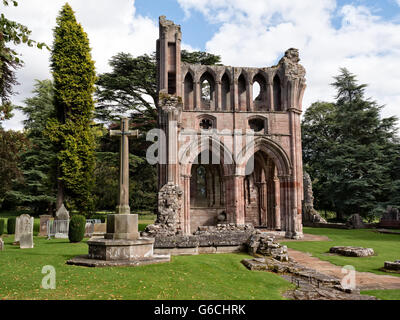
[(188, 92), (225, 92), (242, 93), (277, 93)]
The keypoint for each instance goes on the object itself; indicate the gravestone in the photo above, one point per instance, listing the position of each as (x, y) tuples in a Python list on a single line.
[(18, 230), (1, 244), (26, 228), (62, 213), (43, 225), (355, 222)]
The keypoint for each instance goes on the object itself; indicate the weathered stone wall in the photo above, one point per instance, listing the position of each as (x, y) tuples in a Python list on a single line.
[(310, 215), (231, 107)]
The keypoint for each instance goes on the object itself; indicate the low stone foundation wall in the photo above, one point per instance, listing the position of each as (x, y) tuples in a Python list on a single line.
[(390, 224), (392, 266), (216, 239), (326, 225)]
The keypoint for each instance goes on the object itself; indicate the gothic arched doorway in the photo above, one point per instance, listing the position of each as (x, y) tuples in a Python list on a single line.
[(260, 183)]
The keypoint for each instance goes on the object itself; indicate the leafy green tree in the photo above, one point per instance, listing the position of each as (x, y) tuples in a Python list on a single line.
[(349, 149), (200, 57), (12, 144), (131, 88), (15, 33), (74, 78), (37, 187)]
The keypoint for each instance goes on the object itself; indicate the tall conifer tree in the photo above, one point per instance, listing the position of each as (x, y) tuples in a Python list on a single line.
[(74, 78)]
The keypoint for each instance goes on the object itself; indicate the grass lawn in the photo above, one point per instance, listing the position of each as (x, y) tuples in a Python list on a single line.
[(185, 277), (386, 247), (384, 294)]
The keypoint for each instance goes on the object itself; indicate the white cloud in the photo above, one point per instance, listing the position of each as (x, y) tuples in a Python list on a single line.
[(112, 27), (257, 33)]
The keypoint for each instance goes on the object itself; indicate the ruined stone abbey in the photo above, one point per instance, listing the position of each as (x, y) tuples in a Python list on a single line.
[(234, 154)]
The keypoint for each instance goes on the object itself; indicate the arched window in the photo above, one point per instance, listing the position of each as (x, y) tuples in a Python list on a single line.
[(226, 93), (207, 88), (242, 93), (188, 89), (277, 94), (259, 93)]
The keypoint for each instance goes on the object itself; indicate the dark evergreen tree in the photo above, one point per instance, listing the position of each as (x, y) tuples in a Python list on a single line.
[(349, 149), (12, 145), (74, 77), (37, 186)]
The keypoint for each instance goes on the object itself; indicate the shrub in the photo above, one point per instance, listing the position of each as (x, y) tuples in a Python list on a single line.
[(1, 227), (11, 225), (100, 217), (76, 230)]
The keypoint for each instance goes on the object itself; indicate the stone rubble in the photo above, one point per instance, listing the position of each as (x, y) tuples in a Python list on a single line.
[(169, 207), (207, 236), (392, 266), (264, 244), (310, 284), (352, 251)]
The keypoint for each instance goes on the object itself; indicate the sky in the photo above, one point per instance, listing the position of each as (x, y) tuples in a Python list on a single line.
[(361, 35)]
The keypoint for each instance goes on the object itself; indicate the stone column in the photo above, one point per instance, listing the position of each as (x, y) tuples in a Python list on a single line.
[(218, 105), (235, 90), (198, 95), (238, 193), (277, 206), (123, 225), (263, 203), (270, 96), (249, 89), (186, 206)]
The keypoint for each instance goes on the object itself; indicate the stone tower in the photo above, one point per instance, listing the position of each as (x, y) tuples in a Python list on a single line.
[(233, 154)]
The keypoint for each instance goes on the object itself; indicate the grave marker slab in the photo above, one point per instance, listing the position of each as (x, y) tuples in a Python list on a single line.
[(26, 227)]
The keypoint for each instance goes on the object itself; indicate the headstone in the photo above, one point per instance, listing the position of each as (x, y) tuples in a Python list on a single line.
[(61, 229), (355, 222), (26, 227), (43, 225), (1, 244), (18, 230), (100, 228), (62, 213), (391, 214)]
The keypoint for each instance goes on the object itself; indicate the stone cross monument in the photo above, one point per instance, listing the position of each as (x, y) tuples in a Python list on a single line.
[(123, 225), (122, 244), (124, 133)]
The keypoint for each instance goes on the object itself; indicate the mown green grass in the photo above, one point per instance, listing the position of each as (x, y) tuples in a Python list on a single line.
[(185, 277), (386, 247), (383, 294)]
